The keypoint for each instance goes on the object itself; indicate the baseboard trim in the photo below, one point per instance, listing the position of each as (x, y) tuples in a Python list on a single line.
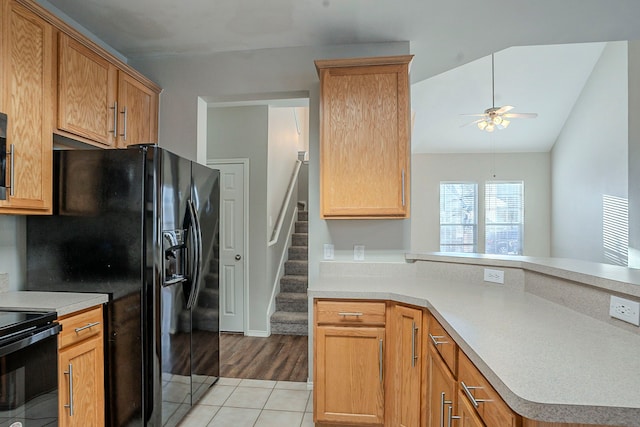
[(262, 334)]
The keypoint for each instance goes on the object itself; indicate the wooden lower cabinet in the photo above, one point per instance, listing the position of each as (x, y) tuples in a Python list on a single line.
[(349, 375), (81, 370), (349, 368), (442, 394), (406, 361)]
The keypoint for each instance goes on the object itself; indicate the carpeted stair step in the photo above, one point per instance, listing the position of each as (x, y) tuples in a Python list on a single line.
[(302, 227), (292, 301), (290, 284), (299, 239), (286, 323), (296, 267), (303, 215), (298, 253)]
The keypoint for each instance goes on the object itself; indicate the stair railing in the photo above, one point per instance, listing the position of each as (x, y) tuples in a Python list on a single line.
[(275, 235)]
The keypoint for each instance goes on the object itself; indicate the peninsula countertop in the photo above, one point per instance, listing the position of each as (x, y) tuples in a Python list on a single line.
[(548, 362), (62, 303)]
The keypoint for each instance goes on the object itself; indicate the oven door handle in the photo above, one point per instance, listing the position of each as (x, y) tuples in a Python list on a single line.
[(42, 334)]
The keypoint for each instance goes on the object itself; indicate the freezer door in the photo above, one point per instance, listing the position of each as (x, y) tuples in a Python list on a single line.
[(205, 195), (172, 284)]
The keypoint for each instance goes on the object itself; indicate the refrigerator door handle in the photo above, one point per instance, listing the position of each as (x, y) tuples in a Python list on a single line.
[(197, 264)]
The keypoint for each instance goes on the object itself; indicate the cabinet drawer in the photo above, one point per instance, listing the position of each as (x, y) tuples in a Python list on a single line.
[(80, 326), (350, 312), (489, 405), (443, 342)]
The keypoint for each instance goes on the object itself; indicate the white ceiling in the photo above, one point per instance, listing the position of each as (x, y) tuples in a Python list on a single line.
[(539, 79), (451, 40)]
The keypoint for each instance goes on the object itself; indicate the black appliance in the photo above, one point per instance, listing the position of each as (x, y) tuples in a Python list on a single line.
[(28, 369), (3, 157), (140, 224)]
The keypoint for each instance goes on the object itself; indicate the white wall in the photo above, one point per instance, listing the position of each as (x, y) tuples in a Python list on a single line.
[(12, 250), (282, 155), (241, 132), (429, 169), (634, 153), (589, 159), (256, 74)]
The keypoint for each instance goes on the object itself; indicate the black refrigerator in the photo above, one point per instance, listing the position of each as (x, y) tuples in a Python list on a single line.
[(140, 224)]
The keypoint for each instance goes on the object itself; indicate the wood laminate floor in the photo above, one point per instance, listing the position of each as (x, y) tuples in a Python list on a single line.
[(278, 357)]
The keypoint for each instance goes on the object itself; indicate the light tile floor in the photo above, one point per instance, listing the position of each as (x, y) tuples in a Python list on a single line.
[(233, 402)]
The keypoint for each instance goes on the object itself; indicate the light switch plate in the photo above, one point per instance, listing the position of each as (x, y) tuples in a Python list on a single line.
[(358, 252), (328, 251)]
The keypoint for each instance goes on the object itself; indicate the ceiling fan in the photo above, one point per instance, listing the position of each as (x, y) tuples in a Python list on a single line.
[(496, 117)]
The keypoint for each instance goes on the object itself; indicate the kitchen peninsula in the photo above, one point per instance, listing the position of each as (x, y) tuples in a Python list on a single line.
[(541, 339)]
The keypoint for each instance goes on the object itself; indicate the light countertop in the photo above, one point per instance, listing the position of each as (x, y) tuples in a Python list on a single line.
[(548, 362), (61, 302)]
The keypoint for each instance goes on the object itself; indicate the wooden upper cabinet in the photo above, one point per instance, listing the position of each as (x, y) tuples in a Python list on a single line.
[(101, 102), (26, 96), (364, 137), (138, 112), (86, 92)]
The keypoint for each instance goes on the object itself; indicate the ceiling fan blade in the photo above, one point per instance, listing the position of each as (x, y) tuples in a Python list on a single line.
[(474, 115), (521, 115), (504, 109), (471, 123)]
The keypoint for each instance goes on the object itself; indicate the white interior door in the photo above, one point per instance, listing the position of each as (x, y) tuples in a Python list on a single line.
[(232, 245)]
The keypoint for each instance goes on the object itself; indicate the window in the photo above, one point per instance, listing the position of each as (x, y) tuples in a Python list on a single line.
[(458, 218), (504, 217)]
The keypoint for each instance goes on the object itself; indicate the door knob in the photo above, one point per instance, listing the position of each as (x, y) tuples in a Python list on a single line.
[(238, 257)]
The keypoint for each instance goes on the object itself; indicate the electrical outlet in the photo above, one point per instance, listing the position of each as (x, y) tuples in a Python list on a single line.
[(358, 252), (625, 309), (495, 276), (328, 251)]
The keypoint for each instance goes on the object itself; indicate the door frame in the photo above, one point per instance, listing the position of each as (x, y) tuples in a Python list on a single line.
[(245, 226)]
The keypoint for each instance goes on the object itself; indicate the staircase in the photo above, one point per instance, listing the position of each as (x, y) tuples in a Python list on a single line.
[(291, 315)]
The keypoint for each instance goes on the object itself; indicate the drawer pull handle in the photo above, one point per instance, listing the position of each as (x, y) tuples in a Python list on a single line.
[(443, 402), (349, 313), (88, 326), (434, 340), (414, 356), (467, 390), (451, 417), (70, 405), (381, 361)]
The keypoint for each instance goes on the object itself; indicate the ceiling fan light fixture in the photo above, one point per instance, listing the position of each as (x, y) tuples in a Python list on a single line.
[(482, 124), (496, 120), (490, 127), (505, 123)]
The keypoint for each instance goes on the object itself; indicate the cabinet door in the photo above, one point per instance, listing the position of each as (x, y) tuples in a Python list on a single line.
[(468, 415), (349, 375), (86, 92), (442, 386), (26, 49), (364, 131), (405, 356), (138, 112), (81, 384)]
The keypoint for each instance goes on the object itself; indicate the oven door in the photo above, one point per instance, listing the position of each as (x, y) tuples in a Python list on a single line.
[(29, 379)]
